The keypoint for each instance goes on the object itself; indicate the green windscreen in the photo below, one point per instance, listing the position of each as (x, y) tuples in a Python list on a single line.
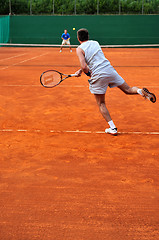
[(106, 29), (4, 29)]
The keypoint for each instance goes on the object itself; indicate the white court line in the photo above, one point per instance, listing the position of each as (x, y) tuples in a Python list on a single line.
[(76, 131), (23, 61), (12, 85), (57, 45), (12, 57), (62, 85), (76, 86)]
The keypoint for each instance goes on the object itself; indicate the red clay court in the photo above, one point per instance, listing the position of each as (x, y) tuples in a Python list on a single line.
[(62, 177)]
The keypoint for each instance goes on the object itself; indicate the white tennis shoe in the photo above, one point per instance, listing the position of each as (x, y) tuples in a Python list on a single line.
[(111, 131)]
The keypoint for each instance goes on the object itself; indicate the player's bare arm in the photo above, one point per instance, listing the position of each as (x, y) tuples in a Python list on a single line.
[(81, 57), (78, 73)]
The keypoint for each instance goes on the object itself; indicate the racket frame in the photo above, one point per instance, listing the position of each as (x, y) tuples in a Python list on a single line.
[(61, 74)]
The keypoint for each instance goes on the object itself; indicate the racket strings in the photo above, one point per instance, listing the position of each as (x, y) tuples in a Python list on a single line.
[(50, 78)]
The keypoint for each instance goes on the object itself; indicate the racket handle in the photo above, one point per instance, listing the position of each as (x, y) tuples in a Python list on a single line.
[(73, 75)]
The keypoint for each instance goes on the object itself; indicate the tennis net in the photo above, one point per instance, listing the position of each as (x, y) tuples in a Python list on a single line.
[(74, 46)]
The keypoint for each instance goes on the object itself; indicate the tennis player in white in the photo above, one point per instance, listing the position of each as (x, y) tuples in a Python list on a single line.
[(94, 64)]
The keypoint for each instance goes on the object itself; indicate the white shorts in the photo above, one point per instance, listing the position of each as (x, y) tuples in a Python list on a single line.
[(64, 42), (112, 79)]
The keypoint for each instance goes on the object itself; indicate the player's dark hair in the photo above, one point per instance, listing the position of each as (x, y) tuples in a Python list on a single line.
[(82, 34)]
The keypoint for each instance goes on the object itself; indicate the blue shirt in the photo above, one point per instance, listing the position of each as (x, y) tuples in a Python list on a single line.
[(65, 36)]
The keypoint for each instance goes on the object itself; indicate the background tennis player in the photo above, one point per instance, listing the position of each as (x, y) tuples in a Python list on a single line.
[(65, 40), (94, 64)]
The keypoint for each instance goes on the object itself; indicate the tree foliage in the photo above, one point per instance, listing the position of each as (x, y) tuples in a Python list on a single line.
[(70, 7)]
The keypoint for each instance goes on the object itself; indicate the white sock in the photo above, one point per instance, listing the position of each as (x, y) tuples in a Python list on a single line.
[(139, 91), (111, 124)]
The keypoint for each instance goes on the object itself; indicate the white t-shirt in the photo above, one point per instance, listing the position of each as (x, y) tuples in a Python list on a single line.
[(95, 59)]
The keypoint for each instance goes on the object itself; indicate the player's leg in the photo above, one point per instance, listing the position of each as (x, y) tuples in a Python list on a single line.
[(70, 48), (61, 48), (128, 90), (63, 43), (68, 43), (100, 99), (135, 90)]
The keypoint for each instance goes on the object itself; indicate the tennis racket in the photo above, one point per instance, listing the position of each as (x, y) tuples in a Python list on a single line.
[(52, 78)]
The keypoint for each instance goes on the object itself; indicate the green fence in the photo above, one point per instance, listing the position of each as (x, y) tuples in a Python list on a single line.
[(108, 30), (4, 29)]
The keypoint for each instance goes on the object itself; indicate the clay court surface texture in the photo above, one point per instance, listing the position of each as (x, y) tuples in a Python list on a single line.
[(62, 177)]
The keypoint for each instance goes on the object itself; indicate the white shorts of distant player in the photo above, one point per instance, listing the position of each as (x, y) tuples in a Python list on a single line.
[(66, 42)]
